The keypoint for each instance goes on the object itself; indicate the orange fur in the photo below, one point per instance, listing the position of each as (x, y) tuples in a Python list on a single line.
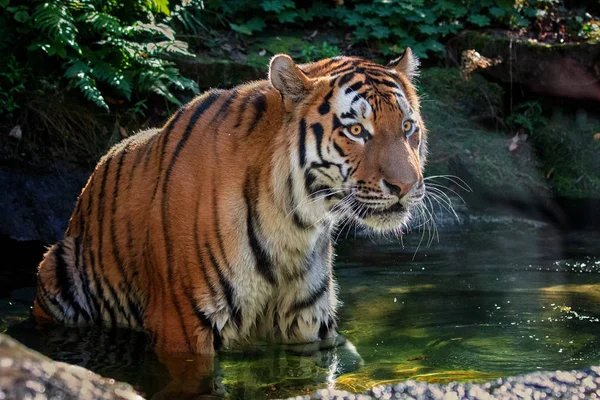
[(162, 234)]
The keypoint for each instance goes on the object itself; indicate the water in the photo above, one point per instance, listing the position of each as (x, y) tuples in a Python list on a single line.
[(487, 302)]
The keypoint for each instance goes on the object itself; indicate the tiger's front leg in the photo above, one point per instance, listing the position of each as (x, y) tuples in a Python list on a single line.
[(305, 311)]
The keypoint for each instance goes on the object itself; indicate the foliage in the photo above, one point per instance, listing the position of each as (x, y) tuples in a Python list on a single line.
[(111, 51), (388, 26), (312, 52), (527, 116), (12, 85)]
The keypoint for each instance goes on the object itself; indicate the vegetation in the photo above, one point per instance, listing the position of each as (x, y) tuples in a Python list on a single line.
[(110, 51), (80, 74)]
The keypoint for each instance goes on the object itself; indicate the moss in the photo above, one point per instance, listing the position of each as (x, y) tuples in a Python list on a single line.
[(452, 108)]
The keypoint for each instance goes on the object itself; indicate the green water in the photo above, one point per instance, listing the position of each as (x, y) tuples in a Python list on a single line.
[(482, 303)]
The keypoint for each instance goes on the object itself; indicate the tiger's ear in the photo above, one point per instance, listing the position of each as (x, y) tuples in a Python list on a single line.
[(286, 77), (407, 63)]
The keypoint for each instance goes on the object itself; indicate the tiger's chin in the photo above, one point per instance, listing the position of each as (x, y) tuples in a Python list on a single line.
[(392, 219)]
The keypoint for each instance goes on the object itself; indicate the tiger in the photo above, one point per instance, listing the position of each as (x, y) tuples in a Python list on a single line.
[(217, 230)]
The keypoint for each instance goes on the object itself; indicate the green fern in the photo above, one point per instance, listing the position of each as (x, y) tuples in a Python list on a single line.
[(102, 22), (55, 20), (80, 73)]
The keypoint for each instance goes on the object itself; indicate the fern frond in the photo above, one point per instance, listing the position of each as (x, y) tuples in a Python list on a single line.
[(105, 72), (56, 20), (153, 29), (175, 47), (105, 23), (79, 72)]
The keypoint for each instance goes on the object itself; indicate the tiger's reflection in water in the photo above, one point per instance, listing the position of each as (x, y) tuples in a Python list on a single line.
[(128, 356)]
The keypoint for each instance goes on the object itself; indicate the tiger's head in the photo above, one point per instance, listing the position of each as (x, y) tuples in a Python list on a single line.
[(356, 136)]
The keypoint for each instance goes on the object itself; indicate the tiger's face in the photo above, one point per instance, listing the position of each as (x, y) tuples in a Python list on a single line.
[(361, 139)]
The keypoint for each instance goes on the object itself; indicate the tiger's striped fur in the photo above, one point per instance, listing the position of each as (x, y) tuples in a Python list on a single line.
[(217, 228)]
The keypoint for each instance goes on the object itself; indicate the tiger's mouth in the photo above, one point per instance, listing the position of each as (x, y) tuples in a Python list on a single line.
[(364, 210), (382, 218)]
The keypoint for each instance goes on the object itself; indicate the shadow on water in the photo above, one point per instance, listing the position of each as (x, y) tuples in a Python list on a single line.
[(489, 301)]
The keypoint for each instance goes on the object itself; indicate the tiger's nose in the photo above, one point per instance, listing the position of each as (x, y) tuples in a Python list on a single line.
[(399, 189)]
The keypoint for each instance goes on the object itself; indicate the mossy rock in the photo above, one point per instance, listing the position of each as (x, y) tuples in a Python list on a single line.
[(541, 67)]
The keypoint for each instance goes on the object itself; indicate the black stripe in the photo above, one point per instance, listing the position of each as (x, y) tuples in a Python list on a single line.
[(343, 67), (83, 272), (300, 224), (302, 143), (225, 106), (350, 114), (64, 282), (314, 296), (218, 230), (260, 107), (201, 108), (147, 150), (205, 321), (197, 246), (318, 131), (242, 110), (336, 122), (162, 149), (309, 180), (113, 234), (345, 78), (263, 262), (42, 299), (324, 108), (227, 289), (133, 309), (325, 328), (98, 277), (385, 83), (134, 164), (354, 87), (338, 149), (45, 296), (101, 212)]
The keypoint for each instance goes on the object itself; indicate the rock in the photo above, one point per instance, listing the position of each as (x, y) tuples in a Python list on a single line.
[(539, 385), (565, 70), (26, 374), (36, 203)]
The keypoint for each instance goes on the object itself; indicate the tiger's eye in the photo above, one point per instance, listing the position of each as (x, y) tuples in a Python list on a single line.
[(356, 129), (407, 125)]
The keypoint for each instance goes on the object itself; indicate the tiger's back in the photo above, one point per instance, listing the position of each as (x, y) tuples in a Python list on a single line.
[(93, 274)]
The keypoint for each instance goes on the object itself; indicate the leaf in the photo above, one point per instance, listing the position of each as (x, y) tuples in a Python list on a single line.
[(381, 32), (21, 16), (287, 16), (161, 29), (255, 24), (4, 3), (497, 12), (353, 19), (479, 20), (276, 6), (159, 6), (428, 29)]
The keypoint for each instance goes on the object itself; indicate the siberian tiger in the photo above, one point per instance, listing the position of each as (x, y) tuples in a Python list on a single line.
[(217, 229)]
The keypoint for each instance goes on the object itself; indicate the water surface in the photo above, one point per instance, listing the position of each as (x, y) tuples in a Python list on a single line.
[(482, 303)]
